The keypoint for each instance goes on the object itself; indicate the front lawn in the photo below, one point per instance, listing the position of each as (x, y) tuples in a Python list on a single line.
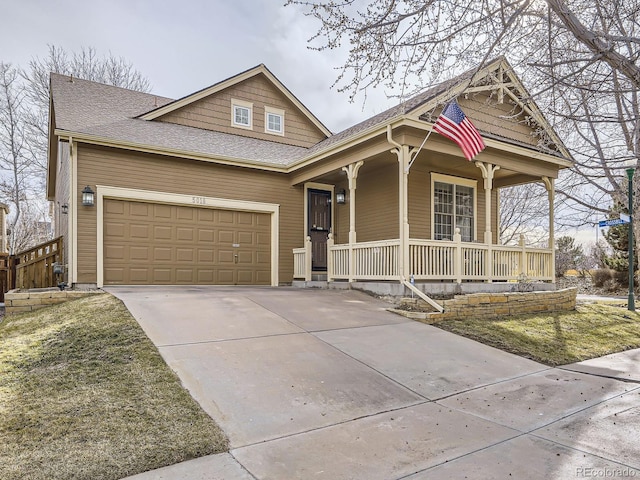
[(556, 338), (84, 394)]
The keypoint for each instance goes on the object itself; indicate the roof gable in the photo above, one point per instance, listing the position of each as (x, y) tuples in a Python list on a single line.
[(500, 107), (496, 80), (234, 81)]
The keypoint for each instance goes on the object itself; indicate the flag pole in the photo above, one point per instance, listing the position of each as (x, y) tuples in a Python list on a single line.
[(415, 155)]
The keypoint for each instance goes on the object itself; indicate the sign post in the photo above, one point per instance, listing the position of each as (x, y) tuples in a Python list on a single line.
[(631, 306)]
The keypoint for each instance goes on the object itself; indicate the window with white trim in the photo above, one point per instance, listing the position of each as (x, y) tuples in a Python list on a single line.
[(453, 207), (241, 113), (273, 120)]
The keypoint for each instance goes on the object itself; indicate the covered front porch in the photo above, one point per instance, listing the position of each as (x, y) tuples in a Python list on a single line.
[(387, 201)]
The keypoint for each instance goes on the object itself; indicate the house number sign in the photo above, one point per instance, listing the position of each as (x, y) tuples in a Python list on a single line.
[(199, 200)]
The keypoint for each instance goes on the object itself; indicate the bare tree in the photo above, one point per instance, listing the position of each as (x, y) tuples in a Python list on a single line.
[(524, 210), (578, 58), (15, 164), (407, 42), (24, 120), (85, 64)]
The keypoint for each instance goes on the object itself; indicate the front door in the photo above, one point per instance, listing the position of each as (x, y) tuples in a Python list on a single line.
[(319, 227)]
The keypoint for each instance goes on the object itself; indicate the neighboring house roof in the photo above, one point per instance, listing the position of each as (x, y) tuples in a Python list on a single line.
[(117, 116)]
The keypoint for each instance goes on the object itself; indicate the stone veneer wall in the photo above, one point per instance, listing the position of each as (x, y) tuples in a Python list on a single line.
[(492, 305), (28, 301)]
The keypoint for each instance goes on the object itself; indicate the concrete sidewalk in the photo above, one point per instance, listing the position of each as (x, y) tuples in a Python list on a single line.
[(327, 384)]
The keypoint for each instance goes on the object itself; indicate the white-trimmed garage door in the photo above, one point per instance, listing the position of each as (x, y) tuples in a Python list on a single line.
[(158, 244)]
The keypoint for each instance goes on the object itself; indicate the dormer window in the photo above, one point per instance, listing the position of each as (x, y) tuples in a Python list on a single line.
[(241, 114), (273, 120)]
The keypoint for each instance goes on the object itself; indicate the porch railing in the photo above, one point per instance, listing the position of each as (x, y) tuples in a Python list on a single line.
[(433, 260)]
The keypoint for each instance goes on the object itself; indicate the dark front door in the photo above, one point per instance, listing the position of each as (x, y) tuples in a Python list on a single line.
[(319, 227)]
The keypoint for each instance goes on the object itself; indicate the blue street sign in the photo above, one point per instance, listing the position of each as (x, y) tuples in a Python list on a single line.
[(611, 223)]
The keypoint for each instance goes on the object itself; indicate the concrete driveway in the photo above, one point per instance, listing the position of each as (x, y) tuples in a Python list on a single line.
[(328, 385)]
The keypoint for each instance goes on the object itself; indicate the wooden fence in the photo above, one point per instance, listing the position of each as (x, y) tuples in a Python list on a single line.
[(34, 267)]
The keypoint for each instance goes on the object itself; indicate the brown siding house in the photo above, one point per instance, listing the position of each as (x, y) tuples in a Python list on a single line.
[(239, 183)]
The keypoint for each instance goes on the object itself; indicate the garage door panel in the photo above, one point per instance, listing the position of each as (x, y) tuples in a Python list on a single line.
[(246, 277), (246, 238), (225, 216), (114, 207), (185, 213), (205, 215), (161, 275), (245, 257), (184, 234), (115, 230), (163, 211), (162, 254), (139, 275), (116, 274), (139, 253), (205, 256), (162, 232), (114, 252), (245, 218), (205, 235), (225, 256), (148, 243), (225, 277), (184, 255), (263, 277), (185, 276), (139, 231), (139, 209), (226, 237)]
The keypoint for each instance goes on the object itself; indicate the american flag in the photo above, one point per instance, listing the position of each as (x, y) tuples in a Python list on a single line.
[(454, 124)]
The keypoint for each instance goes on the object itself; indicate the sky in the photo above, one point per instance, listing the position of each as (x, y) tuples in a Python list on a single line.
[(182, 47)]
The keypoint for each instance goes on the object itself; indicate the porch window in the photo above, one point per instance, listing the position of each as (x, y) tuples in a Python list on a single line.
[(453, 207)]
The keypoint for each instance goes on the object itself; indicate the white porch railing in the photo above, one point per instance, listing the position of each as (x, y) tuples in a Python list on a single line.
[(371, 260), (302, 261), (431, 260)]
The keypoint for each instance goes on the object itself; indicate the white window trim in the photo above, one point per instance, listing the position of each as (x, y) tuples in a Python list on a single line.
[(273, 111), (463, 182), (241, 103)]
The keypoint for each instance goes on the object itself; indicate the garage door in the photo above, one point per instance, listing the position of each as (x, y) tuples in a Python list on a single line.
[(157, 244)]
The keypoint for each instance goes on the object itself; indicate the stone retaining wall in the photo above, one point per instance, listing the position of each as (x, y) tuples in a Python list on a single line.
[(492, 305), (27, 301)]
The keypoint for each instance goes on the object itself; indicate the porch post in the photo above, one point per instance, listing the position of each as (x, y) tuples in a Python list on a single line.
[(352, 176), (308, 252), (488, 171), (551, 192), (404, 156)]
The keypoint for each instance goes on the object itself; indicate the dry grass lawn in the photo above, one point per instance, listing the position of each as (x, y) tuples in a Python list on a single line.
[(556, 338), (84, 394)]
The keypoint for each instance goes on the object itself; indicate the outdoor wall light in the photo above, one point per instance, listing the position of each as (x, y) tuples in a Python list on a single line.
[(88, 197), (340, 197), (64, 208)]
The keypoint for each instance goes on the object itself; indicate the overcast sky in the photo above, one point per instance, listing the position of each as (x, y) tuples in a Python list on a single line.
[(182, 47)]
